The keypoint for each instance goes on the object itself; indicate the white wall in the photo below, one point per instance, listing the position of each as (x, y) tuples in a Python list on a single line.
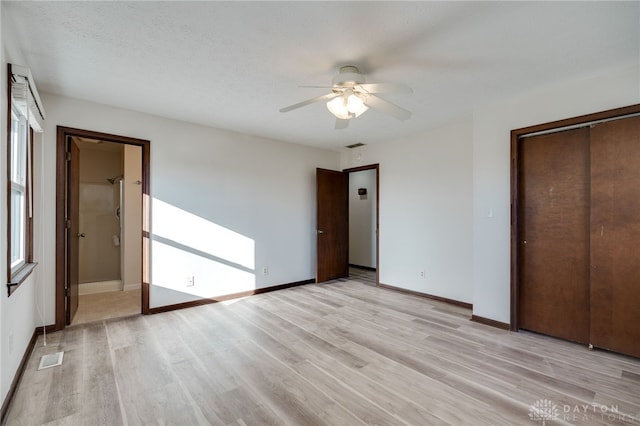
[(131, 218), (224, 205), (3, 192), (425, 210), (362, 219), (18, 313)]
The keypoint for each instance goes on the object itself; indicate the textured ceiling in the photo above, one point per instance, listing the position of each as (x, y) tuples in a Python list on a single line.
[(233, 65)]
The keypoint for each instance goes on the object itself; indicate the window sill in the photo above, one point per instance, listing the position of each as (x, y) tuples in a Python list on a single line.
[(19, 277)]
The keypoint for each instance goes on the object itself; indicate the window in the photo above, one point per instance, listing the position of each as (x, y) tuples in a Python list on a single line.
[(25, 112), (18, 201)]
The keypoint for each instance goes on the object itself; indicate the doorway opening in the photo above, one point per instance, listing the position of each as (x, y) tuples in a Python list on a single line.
[(101, 236), (110, 224), (334, 189), (363, 224)]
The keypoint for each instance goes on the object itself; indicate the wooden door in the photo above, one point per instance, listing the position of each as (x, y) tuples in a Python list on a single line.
[(553, 234), (615, 236), (73, 231), (332, 246)]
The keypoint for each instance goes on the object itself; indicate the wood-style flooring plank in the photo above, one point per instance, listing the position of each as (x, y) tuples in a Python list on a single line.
[(343, 352)]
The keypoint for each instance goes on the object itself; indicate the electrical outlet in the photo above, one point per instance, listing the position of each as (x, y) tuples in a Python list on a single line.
[(191, 280), (265, 271), (421, 275)]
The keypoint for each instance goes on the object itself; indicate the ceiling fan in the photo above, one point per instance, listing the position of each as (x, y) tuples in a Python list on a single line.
[(350, 97)]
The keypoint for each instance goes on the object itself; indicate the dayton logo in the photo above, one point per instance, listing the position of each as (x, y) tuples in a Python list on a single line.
[(543, 410)]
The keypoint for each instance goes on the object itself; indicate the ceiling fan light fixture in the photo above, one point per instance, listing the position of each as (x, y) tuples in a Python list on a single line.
[(351, 97), (347, 106), (338, 107), (348, 76), (355, 105)]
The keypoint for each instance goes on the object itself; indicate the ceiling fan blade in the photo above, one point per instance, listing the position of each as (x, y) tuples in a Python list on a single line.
[(374, 101), (321, 87), (384, 88), (309, 101), (341, 123)]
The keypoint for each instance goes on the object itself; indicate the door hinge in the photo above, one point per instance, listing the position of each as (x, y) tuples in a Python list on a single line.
[(68, 224), (68, 156), (67, 292)]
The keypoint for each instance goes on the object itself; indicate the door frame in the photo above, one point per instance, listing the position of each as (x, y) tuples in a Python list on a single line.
[(516, 135), (375, 167), (62, 166), (72, 262)]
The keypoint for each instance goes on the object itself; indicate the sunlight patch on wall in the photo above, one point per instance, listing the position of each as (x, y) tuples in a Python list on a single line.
[(189, 230), (189, 273), (197, 257)]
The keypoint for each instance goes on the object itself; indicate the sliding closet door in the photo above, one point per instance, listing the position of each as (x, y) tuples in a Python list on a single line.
[(615, 236), (553, 217)]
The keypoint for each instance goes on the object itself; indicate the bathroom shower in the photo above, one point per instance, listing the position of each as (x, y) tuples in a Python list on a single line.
[(113, 181), (100, 206)]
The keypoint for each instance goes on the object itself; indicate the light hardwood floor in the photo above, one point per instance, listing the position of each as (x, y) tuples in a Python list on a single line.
[(342, 353), (365, 276), (113, 304)]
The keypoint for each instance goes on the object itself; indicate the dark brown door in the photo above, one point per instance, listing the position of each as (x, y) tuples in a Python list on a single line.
[(615, 236), (332, 248), (553, 212), (73, 232)]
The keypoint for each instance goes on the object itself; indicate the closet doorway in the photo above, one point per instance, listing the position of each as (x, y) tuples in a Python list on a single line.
[(102, 253), (576, 197)]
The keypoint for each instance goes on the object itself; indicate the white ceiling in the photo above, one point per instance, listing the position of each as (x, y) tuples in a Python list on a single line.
[(233, 65)]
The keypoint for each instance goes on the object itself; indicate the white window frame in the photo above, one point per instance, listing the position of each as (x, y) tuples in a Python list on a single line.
[(18, 184)]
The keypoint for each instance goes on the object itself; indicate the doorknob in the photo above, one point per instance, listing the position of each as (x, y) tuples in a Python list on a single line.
[(80, 235), (320, 232)]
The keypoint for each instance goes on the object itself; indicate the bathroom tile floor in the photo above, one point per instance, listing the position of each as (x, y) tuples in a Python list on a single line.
[(100, 306)]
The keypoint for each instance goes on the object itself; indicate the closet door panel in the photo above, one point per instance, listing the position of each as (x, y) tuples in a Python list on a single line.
[(553, 212), (615, 236)]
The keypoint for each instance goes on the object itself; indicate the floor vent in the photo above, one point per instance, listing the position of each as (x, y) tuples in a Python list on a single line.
[(51, 360)]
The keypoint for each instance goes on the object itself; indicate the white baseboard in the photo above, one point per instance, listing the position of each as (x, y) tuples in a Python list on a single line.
[(132, 286), (99, 287)]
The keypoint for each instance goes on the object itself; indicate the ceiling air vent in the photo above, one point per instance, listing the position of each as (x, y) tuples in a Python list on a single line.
[(355, 145)]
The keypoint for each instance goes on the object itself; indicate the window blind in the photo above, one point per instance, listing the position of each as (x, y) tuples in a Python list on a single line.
[(26, 98)]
